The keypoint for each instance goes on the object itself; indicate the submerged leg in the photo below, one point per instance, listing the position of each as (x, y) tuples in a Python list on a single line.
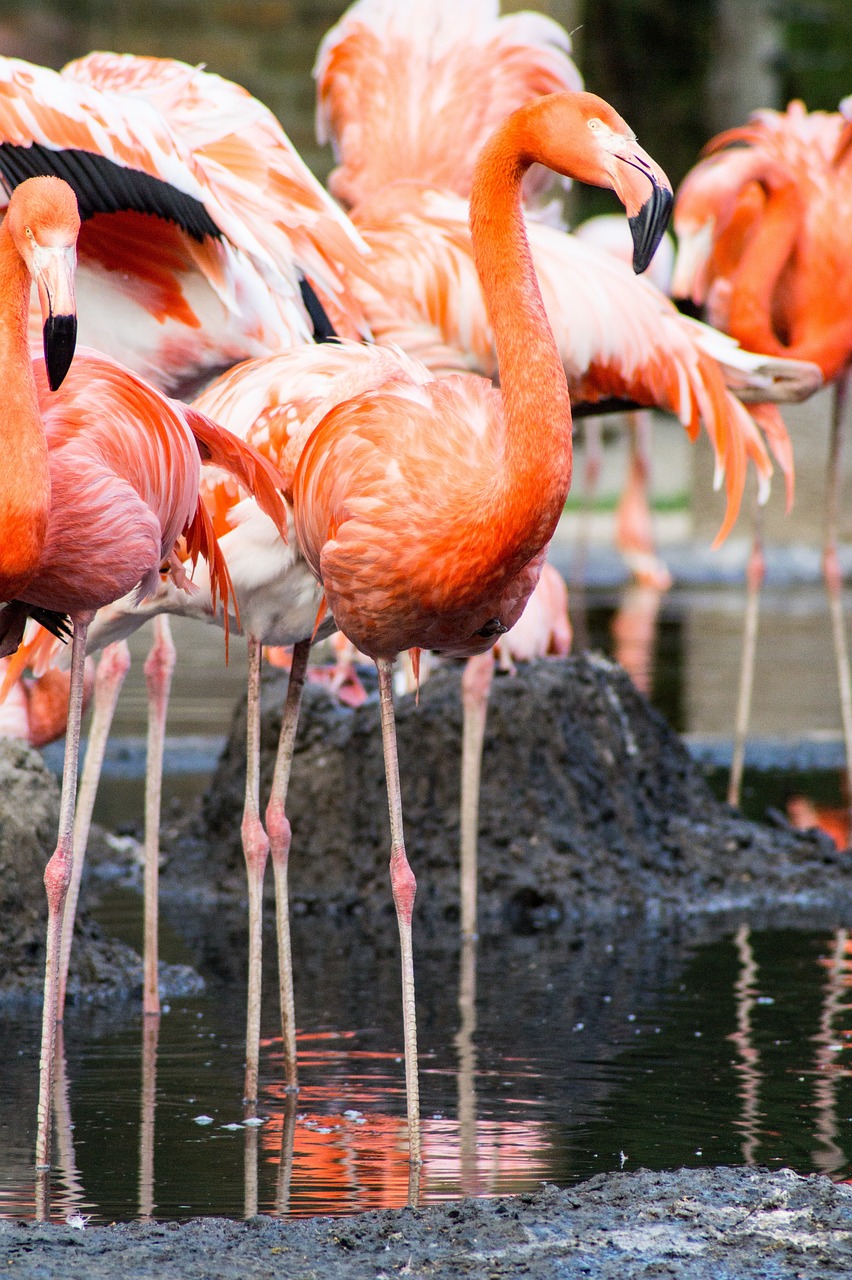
[(403, 885), (112, 669), (278, 829), (476, 686), (755, 573), (255, 851), (57, 877), (159, 668)]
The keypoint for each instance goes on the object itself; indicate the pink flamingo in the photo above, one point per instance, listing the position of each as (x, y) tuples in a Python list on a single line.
[(36, 709), (205, 237), (106, 453), (273, 404), (407, 97)]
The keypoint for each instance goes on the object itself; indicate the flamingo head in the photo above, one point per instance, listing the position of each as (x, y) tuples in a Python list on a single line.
[(44, 222), (583, 137)]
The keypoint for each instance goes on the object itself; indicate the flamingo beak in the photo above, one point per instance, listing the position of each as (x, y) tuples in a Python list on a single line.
[(647, 226), (647, 213), (53, 269)]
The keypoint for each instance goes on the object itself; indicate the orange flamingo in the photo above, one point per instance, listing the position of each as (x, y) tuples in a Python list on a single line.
[(425, 510), (765, 222), (109, 452)]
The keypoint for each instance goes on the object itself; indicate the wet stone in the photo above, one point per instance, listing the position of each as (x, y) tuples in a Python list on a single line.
[(590, 806), (101, 967)]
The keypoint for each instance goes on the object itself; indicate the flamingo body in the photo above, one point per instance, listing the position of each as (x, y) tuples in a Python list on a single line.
[(366, 511), (773, 200)]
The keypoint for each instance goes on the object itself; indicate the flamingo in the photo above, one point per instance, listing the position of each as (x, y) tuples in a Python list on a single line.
[(205, 240), (37, 709), (105, 452), (407, 94), (764, 223), (425, 511)]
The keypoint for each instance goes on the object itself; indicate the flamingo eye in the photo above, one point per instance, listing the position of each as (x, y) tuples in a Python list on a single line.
[(595, 124), (28, 233)]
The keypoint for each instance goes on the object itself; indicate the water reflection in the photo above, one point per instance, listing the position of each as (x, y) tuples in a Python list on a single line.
[(748, 1065), (150, 1124), (148, 1103), (829, 1157)]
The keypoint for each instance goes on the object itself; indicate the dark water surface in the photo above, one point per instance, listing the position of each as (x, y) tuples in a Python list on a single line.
[(738, 1053)]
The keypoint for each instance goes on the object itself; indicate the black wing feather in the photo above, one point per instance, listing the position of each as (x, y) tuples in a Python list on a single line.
[(102, 186)]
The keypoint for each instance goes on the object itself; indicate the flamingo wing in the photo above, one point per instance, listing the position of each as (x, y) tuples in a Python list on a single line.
[(160, 152), (413, 89)]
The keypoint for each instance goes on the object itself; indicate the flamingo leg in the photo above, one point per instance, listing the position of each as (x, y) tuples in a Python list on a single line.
[(255, 851), (57, 877), (831, 568), (593, 436), (634, 527), (112, 669), (404, 886), (159, 668), (278, 829), (476, 686), (755, 573)]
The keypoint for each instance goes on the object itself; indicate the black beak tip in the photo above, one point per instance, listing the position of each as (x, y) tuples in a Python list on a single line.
[(648, 225), (60, 339)]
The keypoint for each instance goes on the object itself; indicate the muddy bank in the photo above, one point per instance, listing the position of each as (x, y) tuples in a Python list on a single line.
[(717, 1224)]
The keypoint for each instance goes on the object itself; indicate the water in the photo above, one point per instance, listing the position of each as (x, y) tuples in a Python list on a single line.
[(735, 1051)]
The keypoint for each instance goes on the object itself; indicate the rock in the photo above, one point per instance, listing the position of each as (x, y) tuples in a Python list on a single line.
[(696, 1224), (101, 968), (590, 805), (29, 818)]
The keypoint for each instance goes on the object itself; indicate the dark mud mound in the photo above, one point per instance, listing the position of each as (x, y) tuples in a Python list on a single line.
[(590, 804), (716, 1224)]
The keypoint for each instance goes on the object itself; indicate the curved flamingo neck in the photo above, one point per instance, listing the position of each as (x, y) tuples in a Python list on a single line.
[(762, 298), (24, 475), (538, 451), (756, 280)]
